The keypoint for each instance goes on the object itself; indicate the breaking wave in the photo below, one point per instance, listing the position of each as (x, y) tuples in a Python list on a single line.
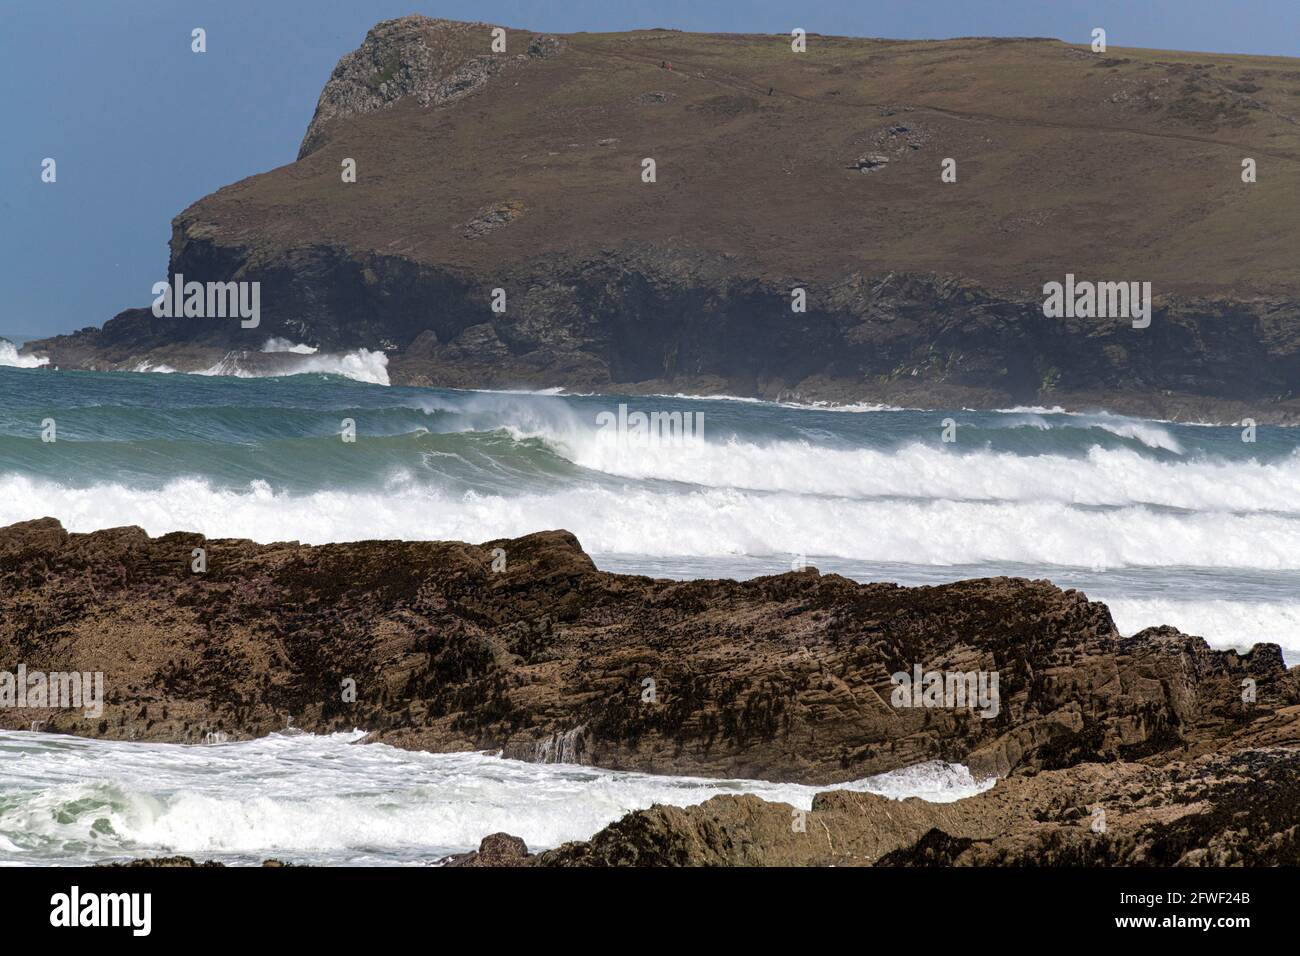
[(1168, 512), (284, 345), (362, 365), (325, 800), (1223, 623), (699, 522), (1118, 476), (10, 358)]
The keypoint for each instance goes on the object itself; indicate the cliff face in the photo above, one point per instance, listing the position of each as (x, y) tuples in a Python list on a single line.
[(774, 171), (781, 678)]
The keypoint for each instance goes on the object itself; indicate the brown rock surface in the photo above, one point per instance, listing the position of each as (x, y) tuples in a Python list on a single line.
[(779, 678), (1235, 809), (496, 849)]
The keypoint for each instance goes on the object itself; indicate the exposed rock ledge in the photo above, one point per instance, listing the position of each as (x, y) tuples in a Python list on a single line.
[(779, 678), (1232, 809)]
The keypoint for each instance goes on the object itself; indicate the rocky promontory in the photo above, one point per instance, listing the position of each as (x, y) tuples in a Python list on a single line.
[(797, 237)]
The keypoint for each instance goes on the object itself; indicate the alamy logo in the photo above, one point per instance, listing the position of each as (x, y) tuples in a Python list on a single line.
[(653, 428), (57, 689), (1098, 300), (74, 908), (951, 689), (209, 300), (1248, 691)]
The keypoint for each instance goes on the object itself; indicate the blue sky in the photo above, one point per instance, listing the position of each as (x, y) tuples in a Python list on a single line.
[(141, 127)]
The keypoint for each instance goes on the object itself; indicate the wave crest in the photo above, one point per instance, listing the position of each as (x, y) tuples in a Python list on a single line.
[(362, 365), (715, 522), (10, 358)]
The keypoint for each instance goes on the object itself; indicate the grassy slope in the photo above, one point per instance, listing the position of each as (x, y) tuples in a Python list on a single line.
[(1116, 166)]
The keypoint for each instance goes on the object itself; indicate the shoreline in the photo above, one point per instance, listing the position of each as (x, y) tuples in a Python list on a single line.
[(784, 678)]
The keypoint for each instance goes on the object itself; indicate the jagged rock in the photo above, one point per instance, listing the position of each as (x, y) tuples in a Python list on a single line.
[(165, 862), (570, 746), (432, 61), (492, 217), (780, 678), (1233, 809), (496, 849), (183, 862), (544, 46)]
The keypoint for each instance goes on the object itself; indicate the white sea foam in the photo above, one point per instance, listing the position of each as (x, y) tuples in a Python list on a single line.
[(1104, 477), (284, 345), (362, 365), (1030, 410), (1151, 434), (326, 799), (1114, 476), (9, 357), (699, 523), (548, 392), (1223, 623), (818, 406)]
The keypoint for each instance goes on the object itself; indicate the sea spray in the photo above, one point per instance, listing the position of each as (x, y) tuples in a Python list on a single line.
[(321, 799)]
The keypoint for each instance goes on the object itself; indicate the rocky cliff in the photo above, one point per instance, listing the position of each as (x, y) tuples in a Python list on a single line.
[(775, 170)]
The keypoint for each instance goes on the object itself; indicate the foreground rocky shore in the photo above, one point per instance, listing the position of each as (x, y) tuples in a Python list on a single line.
[(1111, 749), (1236, 809)]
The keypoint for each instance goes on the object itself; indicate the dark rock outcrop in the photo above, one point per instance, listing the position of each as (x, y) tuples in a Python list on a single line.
[(180, 862), (164, 862), (496, 849), (1110, 750), (779, 678), (1235, 809)]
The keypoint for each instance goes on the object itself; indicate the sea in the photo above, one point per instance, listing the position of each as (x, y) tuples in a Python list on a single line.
[(1188, 524)]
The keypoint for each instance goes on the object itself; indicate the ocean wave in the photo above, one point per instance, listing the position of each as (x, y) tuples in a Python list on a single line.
[(10, 358), (698, 523), (159, 368), (362, 365), (1150, 434), (1223, 623), (811, 406), (1058, 410), (546, 392), (1104, 477), (284, 345), (1028, 410), (323, 798)]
